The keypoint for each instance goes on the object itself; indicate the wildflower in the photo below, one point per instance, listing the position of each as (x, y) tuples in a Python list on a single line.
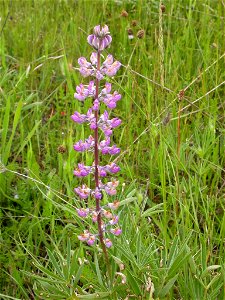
[(114, 220), (101, 38), (94, 216), (83, 191), (116, 231), (78, 118), (101, 94), (83, 212), (114, 205), (113, 168), (91, 240), (108, 243), (97, 194), (82, 93), (84, 236), (82, 170), (107, 214), (81, 146)]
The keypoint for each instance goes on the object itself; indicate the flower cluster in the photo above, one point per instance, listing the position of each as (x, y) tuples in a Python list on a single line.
[(101, 94), (109, 67)]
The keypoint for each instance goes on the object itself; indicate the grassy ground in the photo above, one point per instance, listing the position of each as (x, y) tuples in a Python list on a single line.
[(172, 210)]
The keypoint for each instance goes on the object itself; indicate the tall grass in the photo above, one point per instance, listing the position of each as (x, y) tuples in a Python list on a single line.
[(172, 203)]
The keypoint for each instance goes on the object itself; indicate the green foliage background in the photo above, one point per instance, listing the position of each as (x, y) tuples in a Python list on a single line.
[(172, 211)]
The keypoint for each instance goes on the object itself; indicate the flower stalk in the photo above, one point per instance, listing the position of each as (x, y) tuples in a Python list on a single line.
[(98, 207)]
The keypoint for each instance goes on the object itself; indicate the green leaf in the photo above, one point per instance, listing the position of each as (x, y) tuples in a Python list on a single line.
[(78, 275), (168, 286), (133, 284), (44, 279), (16, 119), (8, 297), (55, 264), (27, 139), (73, 264), (153, 210), (99, 295), (127, 200), (49, 273), (98, 270)]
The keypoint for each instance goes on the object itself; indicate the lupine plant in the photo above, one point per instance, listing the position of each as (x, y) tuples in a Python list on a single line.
[(100, 91)]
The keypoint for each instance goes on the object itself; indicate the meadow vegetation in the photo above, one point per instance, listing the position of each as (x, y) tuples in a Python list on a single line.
[(172, 161)]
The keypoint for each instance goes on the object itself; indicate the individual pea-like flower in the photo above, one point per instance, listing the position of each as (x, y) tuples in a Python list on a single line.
[(78, 118), (98, 119), (102, 171), (116, 231), (94, 216), (106, 125), (82, 61), (108, 243), (91, 240), (83, 191), (82, 170), (82, 93), (94, 59), (83, 212), (84, 236), (110, 168), (109, 150), (113, 168), (107, 214), (110, 67), (114, 205), (114, 220), (111, 100), (97, 193), (81, 146), (96, 105), (109, 187)]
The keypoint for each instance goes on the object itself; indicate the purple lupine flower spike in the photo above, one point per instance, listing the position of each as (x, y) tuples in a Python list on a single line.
[(102, 96)]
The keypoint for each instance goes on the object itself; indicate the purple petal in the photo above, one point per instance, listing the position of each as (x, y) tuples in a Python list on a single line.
[(91, 240), (116, 231), (108, 243), (115, 122)]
